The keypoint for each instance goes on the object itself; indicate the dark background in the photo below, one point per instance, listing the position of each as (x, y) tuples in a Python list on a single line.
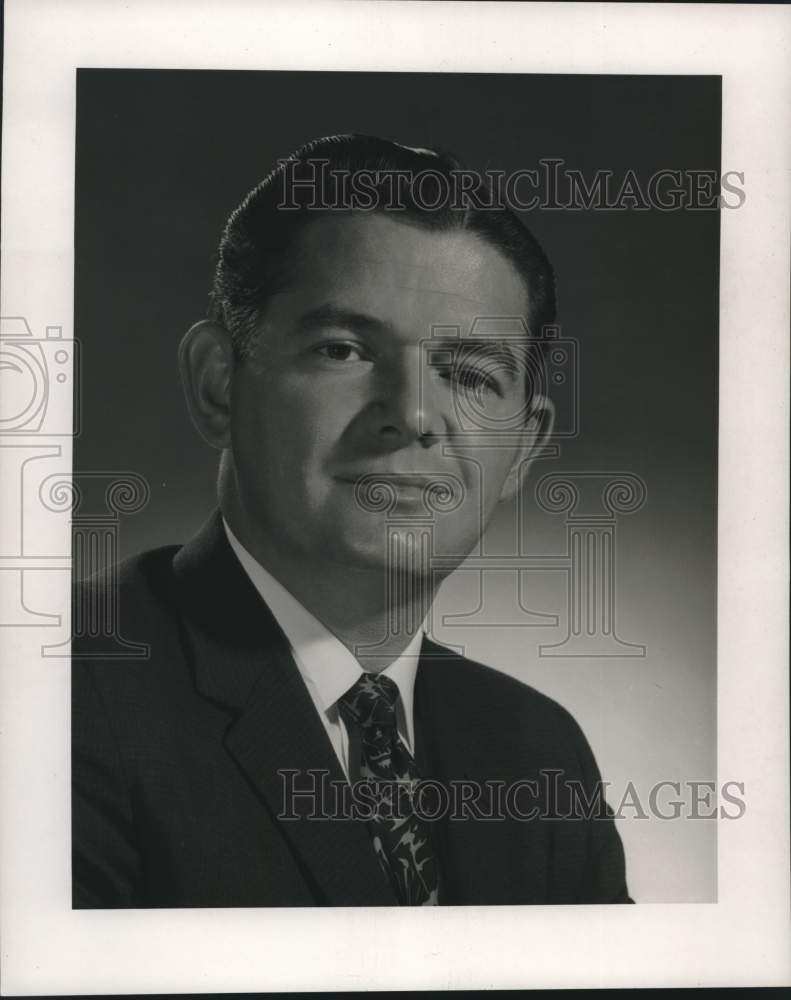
[(162, 159)]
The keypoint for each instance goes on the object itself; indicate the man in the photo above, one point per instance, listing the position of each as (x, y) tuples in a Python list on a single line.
[(362, 332)]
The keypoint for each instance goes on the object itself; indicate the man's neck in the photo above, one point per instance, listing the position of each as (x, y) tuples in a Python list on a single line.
[(355, 604)]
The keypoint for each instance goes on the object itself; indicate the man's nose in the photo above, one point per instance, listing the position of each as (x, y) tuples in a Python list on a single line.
[(407, 407)]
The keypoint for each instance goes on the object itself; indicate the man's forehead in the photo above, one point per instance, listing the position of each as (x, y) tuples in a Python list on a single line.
[(446, 272)]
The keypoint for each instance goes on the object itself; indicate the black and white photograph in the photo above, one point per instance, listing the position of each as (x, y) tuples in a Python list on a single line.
[(384, 505), (400, 390)]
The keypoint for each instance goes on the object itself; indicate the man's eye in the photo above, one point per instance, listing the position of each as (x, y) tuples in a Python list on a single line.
[(340, 351), (471, 378)]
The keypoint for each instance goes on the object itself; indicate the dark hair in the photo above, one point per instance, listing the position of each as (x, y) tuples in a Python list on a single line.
[(255, 254)]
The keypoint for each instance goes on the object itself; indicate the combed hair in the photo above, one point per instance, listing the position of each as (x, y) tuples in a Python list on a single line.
[(255, 254)]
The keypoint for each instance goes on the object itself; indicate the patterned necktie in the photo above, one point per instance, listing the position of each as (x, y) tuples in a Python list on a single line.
[(400, 836)]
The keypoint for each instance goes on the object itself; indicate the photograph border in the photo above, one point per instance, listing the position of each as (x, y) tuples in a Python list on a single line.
[(741, 940)]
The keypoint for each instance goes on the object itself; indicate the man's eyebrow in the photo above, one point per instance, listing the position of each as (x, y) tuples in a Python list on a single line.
[(508, 351), (330, 314)]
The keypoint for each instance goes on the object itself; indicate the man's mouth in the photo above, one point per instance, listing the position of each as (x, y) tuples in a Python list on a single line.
[(377, 491)]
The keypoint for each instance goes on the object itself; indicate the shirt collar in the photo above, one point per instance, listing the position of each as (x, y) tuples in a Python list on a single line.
[(327, 666)]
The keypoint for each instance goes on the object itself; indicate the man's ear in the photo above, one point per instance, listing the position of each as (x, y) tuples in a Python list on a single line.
[(535, 435), (206, 366)]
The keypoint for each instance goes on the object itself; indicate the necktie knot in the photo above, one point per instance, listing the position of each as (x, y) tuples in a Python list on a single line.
[(370, 701)]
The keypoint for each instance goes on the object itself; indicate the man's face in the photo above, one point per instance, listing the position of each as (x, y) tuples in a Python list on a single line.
[(348, 381)]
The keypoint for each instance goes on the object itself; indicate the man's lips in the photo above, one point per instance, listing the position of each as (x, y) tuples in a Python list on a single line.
[(418, 480)]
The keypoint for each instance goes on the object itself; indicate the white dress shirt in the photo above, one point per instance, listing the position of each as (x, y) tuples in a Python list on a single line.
[(327, 667)]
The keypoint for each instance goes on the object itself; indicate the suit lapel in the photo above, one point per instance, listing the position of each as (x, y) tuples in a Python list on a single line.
[(242, 661)]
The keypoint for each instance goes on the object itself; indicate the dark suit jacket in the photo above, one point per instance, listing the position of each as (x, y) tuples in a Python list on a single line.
[(175, 760)]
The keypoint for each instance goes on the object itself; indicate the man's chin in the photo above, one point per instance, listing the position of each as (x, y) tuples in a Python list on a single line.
[(379, 557), (401, 550)]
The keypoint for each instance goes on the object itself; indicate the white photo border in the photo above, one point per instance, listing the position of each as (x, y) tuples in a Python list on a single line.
[(744, 938)]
